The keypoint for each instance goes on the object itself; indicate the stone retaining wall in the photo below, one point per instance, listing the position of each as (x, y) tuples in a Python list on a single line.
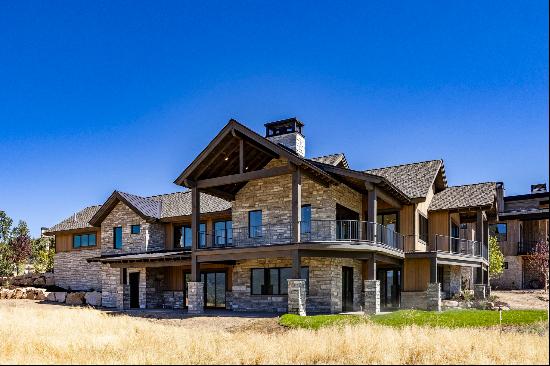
[(414, 300)]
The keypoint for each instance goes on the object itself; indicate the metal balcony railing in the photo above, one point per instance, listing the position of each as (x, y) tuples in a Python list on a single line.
[(526, 247), (352, 231), (458, 246)]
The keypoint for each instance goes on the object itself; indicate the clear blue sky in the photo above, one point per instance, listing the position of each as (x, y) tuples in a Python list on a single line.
[(97, 96)]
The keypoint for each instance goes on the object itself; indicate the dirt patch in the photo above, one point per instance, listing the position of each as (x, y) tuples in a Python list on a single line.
[(523, 299)]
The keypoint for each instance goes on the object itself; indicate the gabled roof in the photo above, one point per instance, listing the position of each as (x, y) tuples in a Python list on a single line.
[(221, 158), (151, 208), (480, 195), (78, 220), (414, 179), (338, 159)]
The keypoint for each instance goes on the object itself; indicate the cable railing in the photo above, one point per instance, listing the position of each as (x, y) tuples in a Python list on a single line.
[(352, 231)]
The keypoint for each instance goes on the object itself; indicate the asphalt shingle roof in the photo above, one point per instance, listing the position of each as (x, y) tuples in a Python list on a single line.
[(161, 206), (332, 159), (472, 195), (78, 220), (413, 179)]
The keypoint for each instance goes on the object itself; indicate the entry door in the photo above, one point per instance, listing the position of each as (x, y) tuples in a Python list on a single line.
[(347, 289), (134, 290), (214, 289), (389, 287)]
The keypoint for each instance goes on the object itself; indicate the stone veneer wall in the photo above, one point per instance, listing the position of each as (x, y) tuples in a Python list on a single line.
[(511, 278), (274, 196), (73, 272), (150, 238), (325, 285), (452, 281), (112, 294), (414, 300), (154, 287)]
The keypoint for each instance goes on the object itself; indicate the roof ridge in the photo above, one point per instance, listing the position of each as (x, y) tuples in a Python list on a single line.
[(167, 194), (399, 165), (324, 156), (470, 184)]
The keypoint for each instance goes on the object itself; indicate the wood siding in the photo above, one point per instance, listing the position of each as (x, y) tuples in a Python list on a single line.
[(173, 276), (438, 224), (64, 241), (416, 274)]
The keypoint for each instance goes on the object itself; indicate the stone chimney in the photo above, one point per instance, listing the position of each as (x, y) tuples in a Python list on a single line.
[(538, 188), (287, 132), (500, 196)]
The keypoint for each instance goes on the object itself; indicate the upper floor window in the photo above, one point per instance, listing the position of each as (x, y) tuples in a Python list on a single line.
[(84, 240), (223, 232), (135, 229), (499, 230), (305, 227), (183, 236), (423, 228), (255, 224), (117, 237)]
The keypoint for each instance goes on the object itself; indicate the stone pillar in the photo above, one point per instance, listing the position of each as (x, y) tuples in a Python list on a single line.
[(372, 297), (479, 292), (433, 296), (195, 296), (297, 296)]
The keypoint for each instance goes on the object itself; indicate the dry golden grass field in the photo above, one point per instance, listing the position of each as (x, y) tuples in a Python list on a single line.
[(34, 333)]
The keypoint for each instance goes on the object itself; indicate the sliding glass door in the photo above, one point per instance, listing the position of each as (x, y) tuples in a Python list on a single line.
[(215, 284)]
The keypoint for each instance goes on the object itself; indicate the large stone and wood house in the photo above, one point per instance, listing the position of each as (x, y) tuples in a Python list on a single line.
[(522, 224), (264, 228)]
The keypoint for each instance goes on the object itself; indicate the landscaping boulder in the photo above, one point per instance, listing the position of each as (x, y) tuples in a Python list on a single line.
[(29, 293), (40, 294), (6, 293), (93, 298), (49, 279), (75, 298), (50, 296), (60, 296), (40, 281), (18, 294)]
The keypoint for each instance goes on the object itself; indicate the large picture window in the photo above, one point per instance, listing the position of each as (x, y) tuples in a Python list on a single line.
[(255, 224), (84, 240), (223, 233), (499, 230), (183, 236), (274, 281)]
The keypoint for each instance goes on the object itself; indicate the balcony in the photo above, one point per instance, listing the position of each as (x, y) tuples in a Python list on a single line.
[(314, 231), (465, 247), (526, 247)]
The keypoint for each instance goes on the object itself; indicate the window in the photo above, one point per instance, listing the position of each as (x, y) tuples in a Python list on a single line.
[(498, 230), (505, 265), (255, 224), (274, 281), (135, 229), (423, 228), (223, 232), (117, 237), (305, 227), (84, 240), (124, 276), (389, 220), (183, 236)]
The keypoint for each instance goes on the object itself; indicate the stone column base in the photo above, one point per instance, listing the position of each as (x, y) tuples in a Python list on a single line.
[(480, 292), (371, 297), (297, 296), (195, 296), (433, 296)]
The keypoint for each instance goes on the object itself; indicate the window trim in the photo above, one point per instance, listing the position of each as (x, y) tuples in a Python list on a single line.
[(114, 237), (80, 246), (266, 275)]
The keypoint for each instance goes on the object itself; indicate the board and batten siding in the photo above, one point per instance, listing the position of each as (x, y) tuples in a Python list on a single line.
[(416, 274)]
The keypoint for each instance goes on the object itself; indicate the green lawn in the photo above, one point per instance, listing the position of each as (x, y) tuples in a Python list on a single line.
[(451, 319)]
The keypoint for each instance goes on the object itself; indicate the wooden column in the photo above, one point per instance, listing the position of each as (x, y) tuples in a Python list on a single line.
[(296, 264), (296, 204), (371, 268), (195, 222), (479, 227), (433, 269), (372, 205)]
